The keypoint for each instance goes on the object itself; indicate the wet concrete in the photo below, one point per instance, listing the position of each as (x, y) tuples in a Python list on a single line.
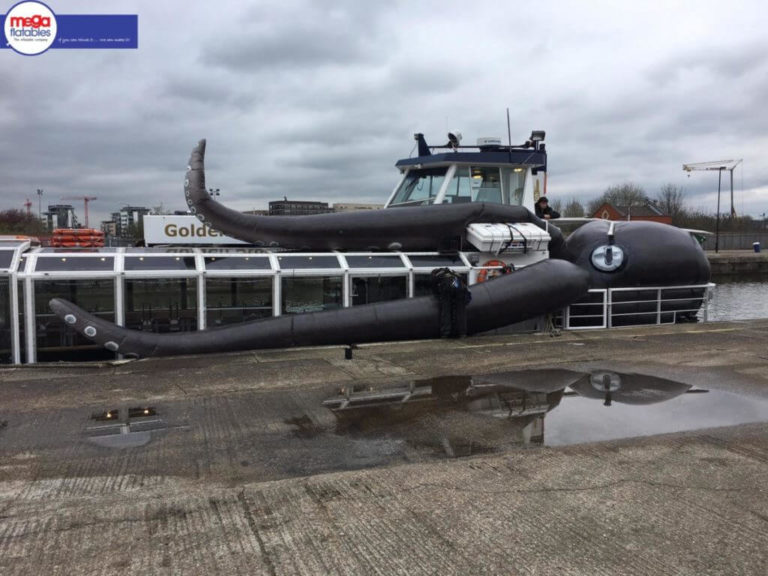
[(456, 466)]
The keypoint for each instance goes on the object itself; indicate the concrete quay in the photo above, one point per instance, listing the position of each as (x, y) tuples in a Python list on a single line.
[(735, 263), (250, 474)]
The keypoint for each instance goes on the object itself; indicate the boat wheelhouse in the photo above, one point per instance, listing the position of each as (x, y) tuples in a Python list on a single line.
[(487, 172)]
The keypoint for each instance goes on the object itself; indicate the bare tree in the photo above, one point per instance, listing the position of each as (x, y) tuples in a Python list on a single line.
[(573, 209), (670, 200), (627, 194)]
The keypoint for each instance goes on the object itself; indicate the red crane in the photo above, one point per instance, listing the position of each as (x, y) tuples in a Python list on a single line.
[(85, 200)]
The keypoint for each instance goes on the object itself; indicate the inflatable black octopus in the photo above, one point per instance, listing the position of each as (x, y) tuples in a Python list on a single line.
[(600, 254)]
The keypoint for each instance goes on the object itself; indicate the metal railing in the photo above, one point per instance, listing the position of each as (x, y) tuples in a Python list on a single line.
[(614, 307)]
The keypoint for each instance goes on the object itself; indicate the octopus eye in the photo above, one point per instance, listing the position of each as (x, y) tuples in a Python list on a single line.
[(607, 258)]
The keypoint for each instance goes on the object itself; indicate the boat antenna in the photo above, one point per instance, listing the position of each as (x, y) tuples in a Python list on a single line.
[(509, 137)]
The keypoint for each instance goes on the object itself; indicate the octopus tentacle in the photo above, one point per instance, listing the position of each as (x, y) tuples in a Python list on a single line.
[(412, 228), (544, 287)]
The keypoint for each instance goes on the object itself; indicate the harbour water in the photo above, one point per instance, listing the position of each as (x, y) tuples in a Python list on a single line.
[(739, 301)]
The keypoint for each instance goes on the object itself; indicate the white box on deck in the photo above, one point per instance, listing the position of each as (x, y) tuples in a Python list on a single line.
[(508, 238)]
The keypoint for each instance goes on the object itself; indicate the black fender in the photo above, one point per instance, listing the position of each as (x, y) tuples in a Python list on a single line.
[(654, 254), (538, 289)]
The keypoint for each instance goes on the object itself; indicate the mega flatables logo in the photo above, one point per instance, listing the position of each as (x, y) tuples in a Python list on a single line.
[(30, 28)]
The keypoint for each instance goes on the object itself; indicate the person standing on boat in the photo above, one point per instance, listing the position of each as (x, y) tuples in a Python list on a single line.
[(544, 211)]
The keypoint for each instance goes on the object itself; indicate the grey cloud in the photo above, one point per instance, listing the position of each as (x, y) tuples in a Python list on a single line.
[(291, 38), (318, 99), (728, 63)]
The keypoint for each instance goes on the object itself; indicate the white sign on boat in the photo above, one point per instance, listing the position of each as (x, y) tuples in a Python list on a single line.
[(182, 229)]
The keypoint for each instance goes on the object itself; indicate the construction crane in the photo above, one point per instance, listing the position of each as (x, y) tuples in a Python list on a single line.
[(85, 200), (718, 165)]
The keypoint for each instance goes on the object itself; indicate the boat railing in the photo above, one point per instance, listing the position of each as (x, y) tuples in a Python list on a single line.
[(614, 307)]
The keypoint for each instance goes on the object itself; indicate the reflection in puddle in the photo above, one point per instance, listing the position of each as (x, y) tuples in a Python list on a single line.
[(628, 388), (124, 428), (463, 415), (454, 415)]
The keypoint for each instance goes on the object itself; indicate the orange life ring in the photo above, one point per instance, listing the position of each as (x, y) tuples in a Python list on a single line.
[(486, 274)]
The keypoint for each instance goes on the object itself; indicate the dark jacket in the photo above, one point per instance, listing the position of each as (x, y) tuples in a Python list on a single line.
[(541, 212)]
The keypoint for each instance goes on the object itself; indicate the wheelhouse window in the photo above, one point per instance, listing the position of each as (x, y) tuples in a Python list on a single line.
[(513, 180), (484, 184), (474, 184), (420, 186)]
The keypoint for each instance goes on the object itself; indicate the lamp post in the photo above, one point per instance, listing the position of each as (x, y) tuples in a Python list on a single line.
[(717, 221), (39, 203), (718, 165)]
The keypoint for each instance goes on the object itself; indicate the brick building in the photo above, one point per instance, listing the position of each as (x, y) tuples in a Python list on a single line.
[(641, 212)]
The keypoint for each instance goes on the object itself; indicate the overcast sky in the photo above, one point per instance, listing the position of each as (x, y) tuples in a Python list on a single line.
[(316, 100)]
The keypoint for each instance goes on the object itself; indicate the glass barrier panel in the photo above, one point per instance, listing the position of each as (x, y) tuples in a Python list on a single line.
[(235, 300), (6, 354), (57, 341), (310, 294), (161, 304), (378, 289)]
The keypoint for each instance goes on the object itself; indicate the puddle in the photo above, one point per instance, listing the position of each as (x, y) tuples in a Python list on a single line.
[(583, 419), (461, 415)]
